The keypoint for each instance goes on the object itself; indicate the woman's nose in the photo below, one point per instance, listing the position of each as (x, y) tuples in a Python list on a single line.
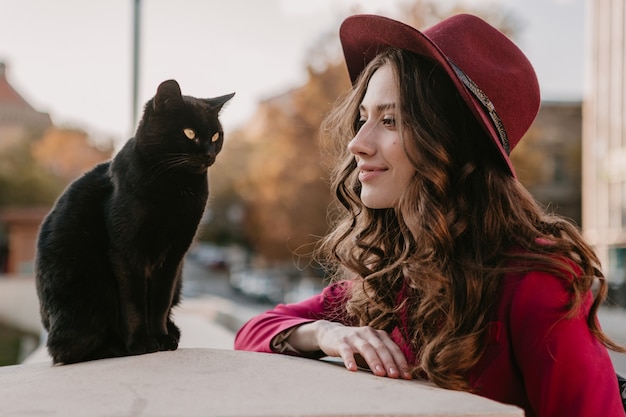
[(362, 143)]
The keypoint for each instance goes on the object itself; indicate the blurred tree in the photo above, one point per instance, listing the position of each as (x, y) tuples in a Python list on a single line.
[(23, 182), (35, 172), (272, 169), (530, 160), (279, 174), (286, 177), (225, 218), (69, 152)]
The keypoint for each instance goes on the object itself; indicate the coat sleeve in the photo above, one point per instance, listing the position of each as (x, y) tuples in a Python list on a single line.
[(566, 370), (257, 334)]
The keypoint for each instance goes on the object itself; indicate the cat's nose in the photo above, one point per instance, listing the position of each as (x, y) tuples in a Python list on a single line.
[(209, 158)]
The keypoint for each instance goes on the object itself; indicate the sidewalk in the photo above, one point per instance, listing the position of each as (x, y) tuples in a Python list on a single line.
[(613, 322), (19, 305)]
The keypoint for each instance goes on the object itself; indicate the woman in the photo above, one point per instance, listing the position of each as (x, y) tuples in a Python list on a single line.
[(444, 266)]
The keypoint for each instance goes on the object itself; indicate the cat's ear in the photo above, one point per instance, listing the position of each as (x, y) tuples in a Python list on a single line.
[(168, 95), (216, 103)]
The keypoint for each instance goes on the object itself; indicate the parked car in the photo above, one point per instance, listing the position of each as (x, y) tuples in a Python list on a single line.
[(304, 288), (268, 285), (209, 256)]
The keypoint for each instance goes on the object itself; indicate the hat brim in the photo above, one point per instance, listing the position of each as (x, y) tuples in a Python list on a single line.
[(365, 36)]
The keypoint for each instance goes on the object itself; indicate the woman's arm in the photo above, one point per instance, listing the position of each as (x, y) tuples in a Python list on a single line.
[(315, 328), (260, 333)]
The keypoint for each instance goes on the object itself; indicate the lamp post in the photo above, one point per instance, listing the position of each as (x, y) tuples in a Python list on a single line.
[(136, 45)]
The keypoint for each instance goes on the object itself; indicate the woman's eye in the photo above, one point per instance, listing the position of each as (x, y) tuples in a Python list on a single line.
[(389, 121), (359, 124), (189, 133)]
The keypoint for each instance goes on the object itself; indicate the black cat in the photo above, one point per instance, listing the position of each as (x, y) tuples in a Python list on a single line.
[(109, 254)]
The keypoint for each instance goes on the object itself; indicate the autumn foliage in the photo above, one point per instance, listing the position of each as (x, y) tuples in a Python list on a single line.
[(274, 169), (68, 153), (34, 172)]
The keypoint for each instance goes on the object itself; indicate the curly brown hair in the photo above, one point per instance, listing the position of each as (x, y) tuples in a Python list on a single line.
[(462, 224)]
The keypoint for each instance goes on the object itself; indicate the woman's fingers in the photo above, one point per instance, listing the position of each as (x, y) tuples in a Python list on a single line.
[(402, 369), (382, 354), (346, 353), (358, 346), (374, 352)]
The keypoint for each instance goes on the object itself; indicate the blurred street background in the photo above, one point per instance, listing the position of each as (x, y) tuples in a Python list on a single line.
[(268, 288), (74, 76)]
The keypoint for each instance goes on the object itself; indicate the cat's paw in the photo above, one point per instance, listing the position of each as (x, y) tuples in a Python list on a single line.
[(173, 330), (141, 345), (167, 342)]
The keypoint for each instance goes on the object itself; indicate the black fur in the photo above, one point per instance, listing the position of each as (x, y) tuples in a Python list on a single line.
[(110, 252)]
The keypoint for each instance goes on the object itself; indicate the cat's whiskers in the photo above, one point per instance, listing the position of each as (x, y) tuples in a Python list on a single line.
[(169, 163)]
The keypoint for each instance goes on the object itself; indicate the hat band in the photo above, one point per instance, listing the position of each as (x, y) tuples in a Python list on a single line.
[(487, 104)]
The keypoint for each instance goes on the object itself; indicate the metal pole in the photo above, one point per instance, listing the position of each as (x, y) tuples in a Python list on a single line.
[(136, 45)]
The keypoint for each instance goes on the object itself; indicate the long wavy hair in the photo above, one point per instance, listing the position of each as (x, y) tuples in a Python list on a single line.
[(462, 224)]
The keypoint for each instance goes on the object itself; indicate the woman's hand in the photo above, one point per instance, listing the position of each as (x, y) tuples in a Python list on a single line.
[(353, 345)]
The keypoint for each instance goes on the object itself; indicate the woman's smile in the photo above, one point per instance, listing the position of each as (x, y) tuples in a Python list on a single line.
[(370, 172)]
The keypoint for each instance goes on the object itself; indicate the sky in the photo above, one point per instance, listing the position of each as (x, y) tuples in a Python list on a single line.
[(73, 58)]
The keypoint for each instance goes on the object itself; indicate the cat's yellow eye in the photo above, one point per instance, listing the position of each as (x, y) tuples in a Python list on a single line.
[(190, 133), (215, 137)]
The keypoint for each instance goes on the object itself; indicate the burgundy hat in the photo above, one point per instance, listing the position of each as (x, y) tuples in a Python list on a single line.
[(491, 73)]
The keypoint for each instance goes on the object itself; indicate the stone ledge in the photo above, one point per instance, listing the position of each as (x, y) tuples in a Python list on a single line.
[(216, 382)]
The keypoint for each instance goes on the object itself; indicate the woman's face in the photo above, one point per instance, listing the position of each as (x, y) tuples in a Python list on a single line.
[(384, 168)]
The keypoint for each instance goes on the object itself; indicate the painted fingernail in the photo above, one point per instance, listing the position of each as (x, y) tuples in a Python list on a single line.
[(379, 369), (392, 371)]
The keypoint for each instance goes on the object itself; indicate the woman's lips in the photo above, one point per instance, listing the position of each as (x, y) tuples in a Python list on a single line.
[(368, 173)]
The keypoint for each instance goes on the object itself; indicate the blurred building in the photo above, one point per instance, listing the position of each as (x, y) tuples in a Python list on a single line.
[(59, 154), (22, 228), (18, 119), (604, 137), (548, 159)]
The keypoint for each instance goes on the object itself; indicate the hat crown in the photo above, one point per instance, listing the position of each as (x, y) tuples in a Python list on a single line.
[(496, 65), (487, 57)]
